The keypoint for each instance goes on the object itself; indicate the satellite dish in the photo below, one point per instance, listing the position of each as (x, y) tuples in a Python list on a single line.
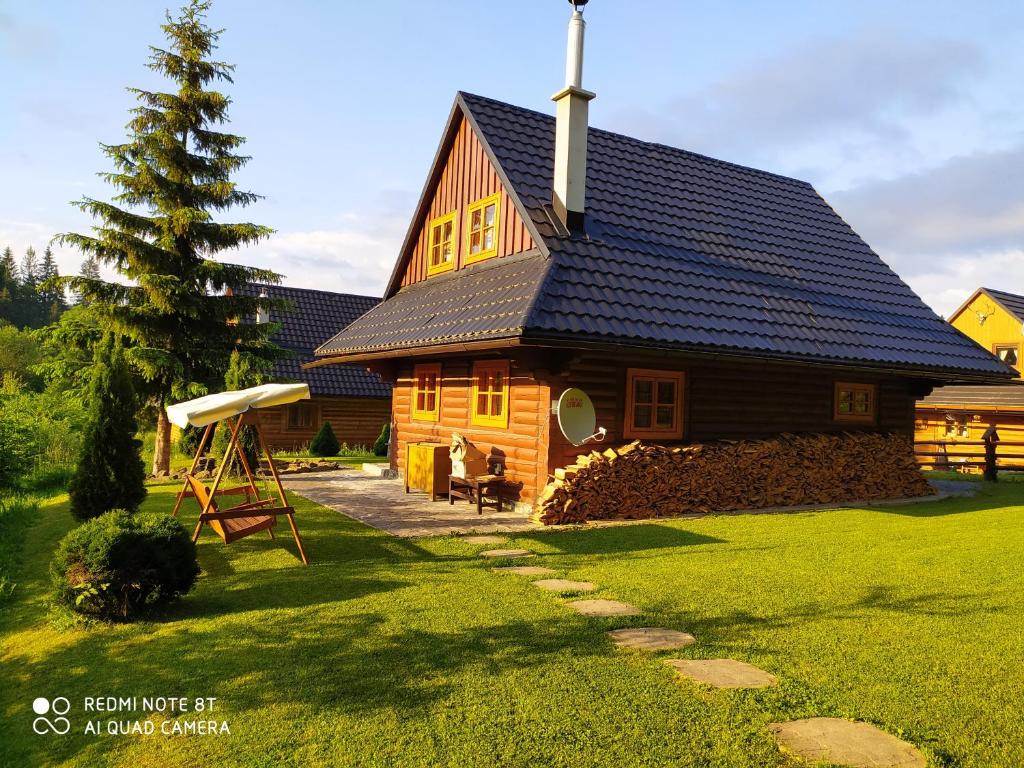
[(577, 419)]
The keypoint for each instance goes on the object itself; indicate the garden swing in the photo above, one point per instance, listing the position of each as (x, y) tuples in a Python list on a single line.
[(256, 513)]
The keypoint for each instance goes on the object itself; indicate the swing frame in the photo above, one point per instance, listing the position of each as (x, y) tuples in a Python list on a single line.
[(254, 507)]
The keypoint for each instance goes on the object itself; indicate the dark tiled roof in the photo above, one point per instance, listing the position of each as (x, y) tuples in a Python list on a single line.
[(1013, 303), (304, 327), (486, 301), (1000, 395), (684, 251)]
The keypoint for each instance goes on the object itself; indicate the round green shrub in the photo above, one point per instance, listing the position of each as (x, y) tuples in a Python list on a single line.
[(121, 565), (325, 443)]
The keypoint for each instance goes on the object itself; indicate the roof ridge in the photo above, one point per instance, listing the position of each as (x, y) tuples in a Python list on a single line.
[(316, 290), (647, 143)]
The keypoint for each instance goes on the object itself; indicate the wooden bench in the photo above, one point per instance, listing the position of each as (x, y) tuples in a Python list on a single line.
[(475, 488)]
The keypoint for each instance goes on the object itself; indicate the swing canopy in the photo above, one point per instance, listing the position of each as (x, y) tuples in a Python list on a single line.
[(210, 409)]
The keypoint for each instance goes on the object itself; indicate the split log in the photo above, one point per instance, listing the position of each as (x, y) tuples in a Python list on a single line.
[(642, 480)]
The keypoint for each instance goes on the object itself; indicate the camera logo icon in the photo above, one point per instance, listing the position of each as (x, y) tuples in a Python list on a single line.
[(57, 723)]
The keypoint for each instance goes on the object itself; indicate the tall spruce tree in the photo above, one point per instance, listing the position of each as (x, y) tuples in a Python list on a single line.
[(179, 305), (110, 473), (51, 294), (8, 284)]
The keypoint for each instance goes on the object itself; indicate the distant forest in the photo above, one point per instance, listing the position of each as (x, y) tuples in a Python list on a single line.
[(27, 300)]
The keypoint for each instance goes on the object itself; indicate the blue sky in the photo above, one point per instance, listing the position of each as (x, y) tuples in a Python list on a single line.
[(908, 117)]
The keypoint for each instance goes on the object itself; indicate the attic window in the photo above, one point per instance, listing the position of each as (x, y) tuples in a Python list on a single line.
[(482, 229), (443, 238), (855, 402), (1007, 353)]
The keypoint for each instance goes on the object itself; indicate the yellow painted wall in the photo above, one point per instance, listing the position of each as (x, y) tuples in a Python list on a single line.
[(990, 325)]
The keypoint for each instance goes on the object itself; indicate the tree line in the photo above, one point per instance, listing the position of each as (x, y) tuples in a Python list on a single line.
[(30, 294)]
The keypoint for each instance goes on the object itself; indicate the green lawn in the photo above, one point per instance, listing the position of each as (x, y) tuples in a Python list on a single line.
[(404, 653)]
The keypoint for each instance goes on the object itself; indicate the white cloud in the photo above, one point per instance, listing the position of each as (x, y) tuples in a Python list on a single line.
[(953, 279), (352, 259)]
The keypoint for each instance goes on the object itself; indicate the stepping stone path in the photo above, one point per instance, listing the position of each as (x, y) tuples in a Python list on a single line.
[(604, 608), (564, 585), (844, 742), (723, 673), (507, 553), (525, 570), (484, 539), (651, 638)]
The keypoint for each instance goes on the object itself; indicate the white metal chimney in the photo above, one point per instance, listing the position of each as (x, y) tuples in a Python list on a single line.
[(570, 187), (262, 312)]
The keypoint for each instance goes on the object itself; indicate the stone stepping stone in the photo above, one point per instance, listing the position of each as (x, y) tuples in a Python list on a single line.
[(507, 553), (723, 673), (604, 608), (564, 585), (485, 539), (845, 742), (651, 638), (525, 570)]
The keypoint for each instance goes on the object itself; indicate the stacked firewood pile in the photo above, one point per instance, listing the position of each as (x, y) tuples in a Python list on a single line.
[(643, 480)]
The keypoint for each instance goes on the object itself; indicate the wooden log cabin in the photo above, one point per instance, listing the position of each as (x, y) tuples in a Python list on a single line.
[(691, 298), (355, 401), (962, 414)]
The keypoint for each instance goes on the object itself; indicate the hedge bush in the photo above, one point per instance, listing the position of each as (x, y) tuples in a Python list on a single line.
[(325, 443), (120, 565)]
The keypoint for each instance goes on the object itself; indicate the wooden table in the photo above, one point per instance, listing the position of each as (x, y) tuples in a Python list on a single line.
[(474, 489)]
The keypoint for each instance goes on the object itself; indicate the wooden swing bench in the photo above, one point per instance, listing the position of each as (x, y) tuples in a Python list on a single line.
[(255, 514)]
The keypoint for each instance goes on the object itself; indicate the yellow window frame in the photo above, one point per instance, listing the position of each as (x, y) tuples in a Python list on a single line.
[(481, 205), (854, 391), (435, 224), (488, 371), (420, 374)]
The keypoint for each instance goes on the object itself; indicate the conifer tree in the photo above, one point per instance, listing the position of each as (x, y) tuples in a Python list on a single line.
[(325, 442), (8, 284), (51, 295), (173, 173), (110, 473), (30, 269)]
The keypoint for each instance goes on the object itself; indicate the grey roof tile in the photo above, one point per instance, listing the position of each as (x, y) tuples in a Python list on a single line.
[(681, 251)]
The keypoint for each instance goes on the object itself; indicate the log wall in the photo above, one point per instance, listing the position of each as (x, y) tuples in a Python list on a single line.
[(467, 176), (731, 399), (355, 420), (521, 449)]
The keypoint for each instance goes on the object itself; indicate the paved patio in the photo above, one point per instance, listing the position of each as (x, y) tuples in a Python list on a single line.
[(384, 504)]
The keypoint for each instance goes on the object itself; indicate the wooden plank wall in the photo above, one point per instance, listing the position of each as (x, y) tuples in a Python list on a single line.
[(930, 424), (467, 176), (355, 420), (522, 448), (733, 399)]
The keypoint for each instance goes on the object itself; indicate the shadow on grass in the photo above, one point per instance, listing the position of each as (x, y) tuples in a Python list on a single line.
[(349, 668), (619, 538), (989, 496)]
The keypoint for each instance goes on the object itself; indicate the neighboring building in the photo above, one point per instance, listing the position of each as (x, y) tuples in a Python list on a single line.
[(355, 401), (691, 298), (994, 319)]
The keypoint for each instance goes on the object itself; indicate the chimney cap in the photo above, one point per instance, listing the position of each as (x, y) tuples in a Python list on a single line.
[(578, 4)]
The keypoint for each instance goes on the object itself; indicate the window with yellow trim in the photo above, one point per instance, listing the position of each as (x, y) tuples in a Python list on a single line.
[(654, 404), (855, 402), (490, 394), (443, 237), (1008, 353), (426, 392), (482, 228)]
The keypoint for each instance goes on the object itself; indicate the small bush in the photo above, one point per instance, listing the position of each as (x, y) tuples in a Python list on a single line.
[(188, 441), (325, 443), (120, 565), (380, 445)]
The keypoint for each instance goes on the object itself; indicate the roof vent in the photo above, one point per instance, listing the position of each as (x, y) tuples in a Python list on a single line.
[(570, 180)]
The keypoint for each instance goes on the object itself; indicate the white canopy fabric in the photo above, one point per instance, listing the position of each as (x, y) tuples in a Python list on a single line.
[(212, 408)]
